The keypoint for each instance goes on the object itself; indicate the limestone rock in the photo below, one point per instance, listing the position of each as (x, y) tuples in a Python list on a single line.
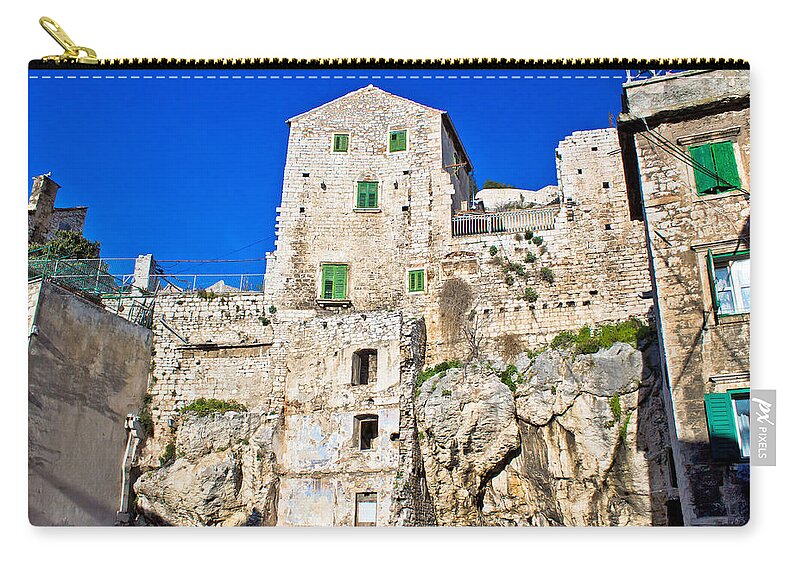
[(585, 455), (468, 429), (224, 474)]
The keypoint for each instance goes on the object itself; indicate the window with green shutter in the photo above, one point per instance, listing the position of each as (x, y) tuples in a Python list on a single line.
[(416, 280), (728, 418), (340, 142), (715, 167), (367, 195), (334, 281), (397, 141)]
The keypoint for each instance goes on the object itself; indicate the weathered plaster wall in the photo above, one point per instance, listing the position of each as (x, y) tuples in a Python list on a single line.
[(703, 354), (87, 369), (321, 465)]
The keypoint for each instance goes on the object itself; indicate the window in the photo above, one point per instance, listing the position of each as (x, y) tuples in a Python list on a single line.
[(397, 141), (365, 431), (728, 416), (729, 275), (367, 195), (365, 366), (341, 142), (715, 169), (334, 281), (416, 280), (366, 509)]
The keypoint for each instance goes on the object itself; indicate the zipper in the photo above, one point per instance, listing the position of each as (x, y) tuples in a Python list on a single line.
[(78, 57)]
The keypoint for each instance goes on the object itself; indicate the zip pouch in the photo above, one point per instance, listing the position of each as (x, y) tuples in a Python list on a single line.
[(388, 293)]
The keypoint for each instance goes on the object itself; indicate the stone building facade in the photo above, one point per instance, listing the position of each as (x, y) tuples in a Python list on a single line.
[(688, 136), (44, 219), (369, 284)]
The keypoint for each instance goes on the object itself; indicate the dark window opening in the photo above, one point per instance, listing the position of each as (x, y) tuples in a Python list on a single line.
[(594, 148), (673, 474), (674, 514), (366, 432), (606, 185), (365, 366), (580, 171), (608, 226), (305, 174), (366, 509)]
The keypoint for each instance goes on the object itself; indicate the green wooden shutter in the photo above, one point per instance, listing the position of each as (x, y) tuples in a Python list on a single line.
[(721, 427), (340, 282), (416, 280), (703, 156), (327, 281), (372, 195), (712, 278), (725, 163), (397, 141), (361, 201)]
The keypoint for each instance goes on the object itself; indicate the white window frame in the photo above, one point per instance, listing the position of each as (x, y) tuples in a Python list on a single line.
[(389, 140), (735, 286)]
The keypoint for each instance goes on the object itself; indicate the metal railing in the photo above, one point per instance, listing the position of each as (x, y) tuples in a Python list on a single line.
[(84, 275), (512, 221), (216, 282)]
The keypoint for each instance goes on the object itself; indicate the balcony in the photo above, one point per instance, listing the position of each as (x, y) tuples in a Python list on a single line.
[(511, 221)]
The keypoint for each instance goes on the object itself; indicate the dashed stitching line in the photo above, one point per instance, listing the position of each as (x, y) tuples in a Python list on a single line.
[(329, 77)]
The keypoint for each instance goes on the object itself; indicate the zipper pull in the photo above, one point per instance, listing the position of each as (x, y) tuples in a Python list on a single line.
[(72, 53)]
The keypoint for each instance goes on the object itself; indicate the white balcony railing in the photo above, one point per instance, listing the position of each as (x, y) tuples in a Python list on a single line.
[(511, 221)]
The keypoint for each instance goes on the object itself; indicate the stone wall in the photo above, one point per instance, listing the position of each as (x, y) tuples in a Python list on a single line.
[(87, 369), (223, 347), (322, 467), (704, 353), (596, 253)]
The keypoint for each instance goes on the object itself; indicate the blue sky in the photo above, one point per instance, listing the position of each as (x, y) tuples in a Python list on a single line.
[(183, 166)]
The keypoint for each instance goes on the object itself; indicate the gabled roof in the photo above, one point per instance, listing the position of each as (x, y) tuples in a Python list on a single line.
[(448, 122), (369, 87)]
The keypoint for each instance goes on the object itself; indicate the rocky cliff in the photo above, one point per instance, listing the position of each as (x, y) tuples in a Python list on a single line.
[(579, 441), (559, 439)]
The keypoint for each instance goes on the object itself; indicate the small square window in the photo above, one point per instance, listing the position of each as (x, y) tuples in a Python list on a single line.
[(397, 141), (365, 432), (341, 142), (365, 366), (366, 509), (416, 280)]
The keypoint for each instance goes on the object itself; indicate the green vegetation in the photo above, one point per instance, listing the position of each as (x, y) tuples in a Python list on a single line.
[(168, 455), (616, 407), (264, 320), (273, 309), (66, 245), (529, 235), (537, 240), (146, 415), (510, 377), (434, 370), (589, 341), (446, 393), (493, 184), (509, 279), (530, 295), (207, 295), (203, 407), (547, 275), (493, 250), (530, 257), (623, 428), (517, 268)]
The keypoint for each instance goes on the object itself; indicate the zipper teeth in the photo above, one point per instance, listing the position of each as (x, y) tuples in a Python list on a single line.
[(374, 63)]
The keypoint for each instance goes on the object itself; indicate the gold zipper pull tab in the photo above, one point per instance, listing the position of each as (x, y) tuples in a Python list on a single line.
[(72, 53)]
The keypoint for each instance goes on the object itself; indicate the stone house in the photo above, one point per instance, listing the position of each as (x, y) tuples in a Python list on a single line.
[(44, 219), (381, 269), (686, 138)]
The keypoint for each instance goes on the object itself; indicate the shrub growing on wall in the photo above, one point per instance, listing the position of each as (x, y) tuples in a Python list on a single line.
[(455, 301)]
